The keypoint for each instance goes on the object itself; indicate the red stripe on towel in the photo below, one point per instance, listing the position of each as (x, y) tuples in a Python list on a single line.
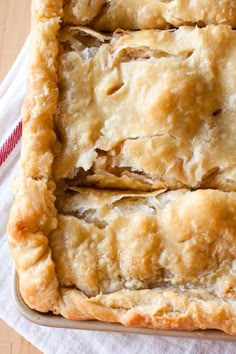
[(10, 143)]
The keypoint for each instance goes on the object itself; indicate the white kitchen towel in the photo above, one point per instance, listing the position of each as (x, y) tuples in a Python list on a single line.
[(51, 340)]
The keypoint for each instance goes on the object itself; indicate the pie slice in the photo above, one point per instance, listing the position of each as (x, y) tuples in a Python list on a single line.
[(108, 15), (125, 200)]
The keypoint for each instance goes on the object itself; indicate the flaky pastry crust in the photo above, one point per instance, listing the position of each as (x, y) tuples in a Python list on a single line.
[(109, 15), (140, 126), (147, 256), (33, 214)]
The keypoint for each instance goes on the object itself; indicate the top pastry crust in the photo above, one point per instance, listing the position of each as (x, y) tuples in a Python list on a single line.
[(148, 14), (143, 111), (147, 109)]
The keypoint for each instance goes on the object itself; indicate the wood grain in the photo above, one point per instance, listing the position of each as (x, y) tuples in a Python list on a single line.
[(14, 29), (12, 343)]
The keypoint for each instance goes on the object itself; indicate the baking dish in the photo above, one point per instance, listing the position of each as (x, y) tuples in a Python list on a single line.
[(50, 320)]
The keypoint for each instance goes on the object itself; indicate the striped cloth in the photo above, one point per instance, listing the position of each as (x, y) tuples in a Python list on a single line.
[(10, 143)]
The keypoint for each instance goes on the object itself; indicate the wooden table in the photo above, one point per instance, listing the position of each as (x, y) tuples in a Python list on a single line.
[(14, 29)]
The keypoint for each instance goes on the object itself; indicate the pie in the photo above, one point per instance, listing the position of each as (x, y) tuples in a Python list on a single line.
[(125, 199)]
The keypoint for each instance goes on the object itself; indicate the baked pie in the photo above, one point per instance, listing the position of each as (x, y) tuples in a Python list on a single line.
[(125, 202)]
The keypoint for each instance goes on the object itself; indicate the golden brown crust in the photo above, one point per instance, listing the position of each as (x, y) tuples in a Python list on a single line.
[(161, 259), (135, 124), (164, 260), (170, 309), (33, 214), (42, 92), (145, 14)]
